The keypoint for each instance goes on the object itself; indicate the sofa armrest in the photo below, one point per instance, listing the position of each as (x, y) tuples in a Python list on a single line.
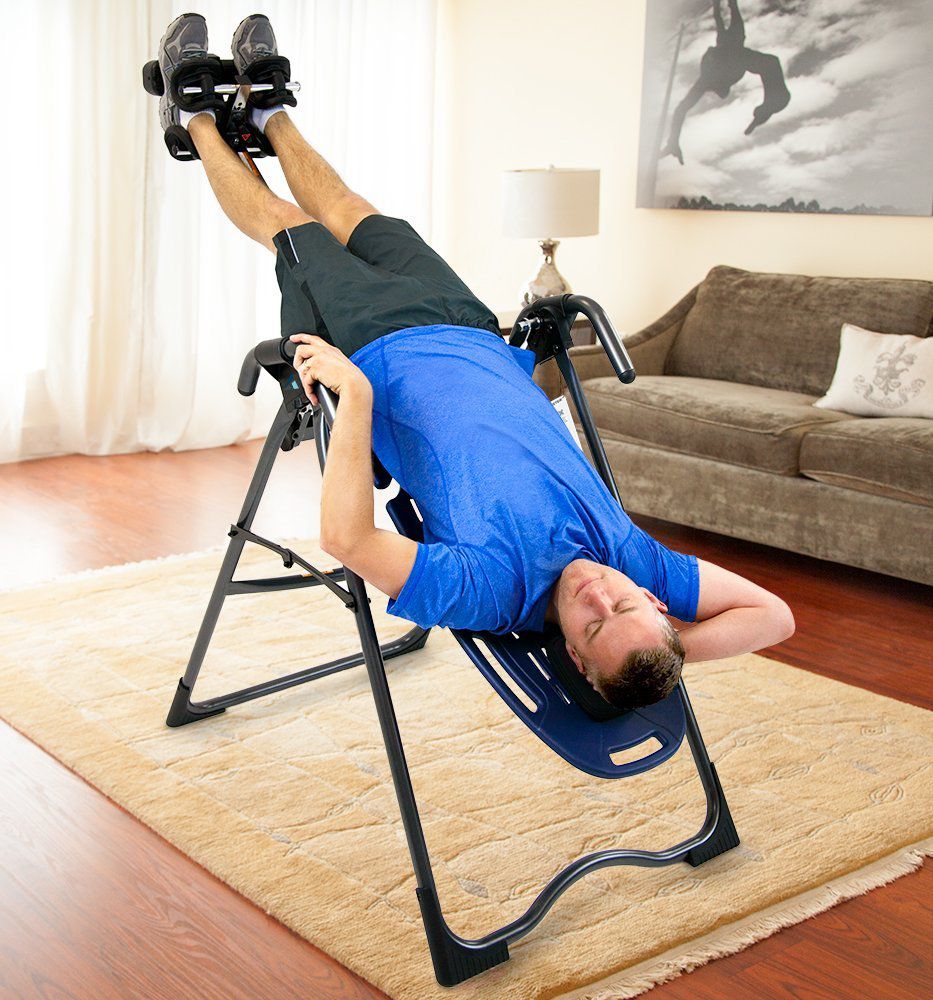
[(648, 350)]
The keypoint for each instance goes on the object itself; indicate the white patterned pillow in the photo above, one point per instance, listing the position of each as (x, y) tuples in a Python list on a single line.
[(881, 375)]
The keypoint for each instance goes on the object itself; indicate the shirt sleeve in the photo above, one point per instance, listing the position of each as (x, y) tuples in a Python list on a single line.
[(448, 586), (675, 576)]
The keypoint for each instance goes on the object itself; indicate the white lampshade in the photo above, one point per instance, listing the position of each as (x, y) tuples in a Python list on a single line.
[(554, 202)]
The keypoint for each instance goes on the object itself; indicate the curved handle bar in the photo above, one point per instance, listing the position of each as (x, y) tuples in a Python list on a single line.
[(266, 354), (567, 306), (249, 376), (279, 354), (605, 331)]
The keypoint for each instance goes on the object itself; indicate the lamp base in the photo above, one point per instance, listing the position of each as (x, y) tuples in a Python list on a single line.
[(548, 280)]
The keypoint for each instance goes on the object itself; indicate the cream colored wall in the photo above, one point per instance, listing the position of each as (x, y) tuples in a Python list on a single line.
[(525, 83)]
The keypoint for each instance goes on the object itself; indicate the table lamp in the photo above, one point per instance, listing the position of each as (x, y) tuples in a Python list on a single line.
[(542, 204)]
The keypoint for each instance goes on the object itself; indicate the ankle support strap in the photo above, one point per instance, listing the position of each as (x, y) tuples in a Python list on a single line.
[(277, 71), (203, 73)]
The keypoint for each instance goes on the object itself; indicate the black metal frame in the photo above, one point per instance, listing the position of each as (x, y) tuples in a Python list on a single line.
[(290, 426), (545, 327)]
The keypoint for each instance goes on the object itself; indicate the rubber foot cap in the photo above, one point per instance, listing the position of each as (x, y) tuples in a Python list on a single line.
[(182, 712)]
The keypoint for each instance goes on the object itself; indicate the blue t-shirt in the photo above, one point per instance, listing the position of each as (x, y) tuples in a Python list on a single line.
[(508, 499)]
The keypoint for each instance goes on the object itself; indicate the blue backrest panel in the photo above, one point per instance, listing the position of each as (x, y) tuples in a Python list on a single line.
[(547, 707)]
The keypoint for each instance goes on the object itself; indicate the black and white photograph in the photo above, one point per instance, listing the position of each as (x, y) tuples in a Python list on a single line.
[(788, 106)]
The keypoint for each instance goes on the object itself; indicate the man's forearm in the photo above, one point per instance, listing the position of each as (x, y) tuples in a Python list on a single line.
[(347, 490), (738, 630)]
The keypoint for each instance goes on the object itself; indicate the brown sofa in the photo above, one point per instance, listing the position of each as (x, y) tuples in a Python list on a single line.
[(718, 431)]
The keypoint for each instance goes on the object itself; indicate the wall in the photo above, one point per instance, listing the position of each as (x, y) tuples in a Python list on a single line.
[(525, 83)]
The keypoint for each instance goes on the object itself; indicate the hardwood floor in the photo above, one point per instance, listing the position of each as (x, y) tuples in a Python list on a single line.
[(94, 904)]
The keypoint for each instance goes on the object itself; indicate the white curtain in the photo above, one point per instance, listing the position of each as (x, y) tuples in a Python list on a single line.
[(129, 300)]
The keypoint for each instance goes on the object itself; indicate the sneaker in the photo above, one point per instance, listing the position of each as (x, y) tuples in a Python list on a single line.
[(256, 55), (253, 39), (184, 41)]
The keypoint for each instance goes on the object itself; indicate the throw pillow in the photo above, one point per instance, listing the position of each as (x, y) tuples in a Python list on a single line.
[(881, 375)]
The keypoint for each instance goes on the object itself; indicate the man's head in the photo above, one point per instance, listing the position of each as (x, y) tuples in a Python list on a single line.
[(617, 634)]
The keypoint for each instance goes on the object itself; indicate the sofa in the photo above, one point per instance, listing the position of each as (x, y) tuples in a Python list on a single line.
[(718, 431)]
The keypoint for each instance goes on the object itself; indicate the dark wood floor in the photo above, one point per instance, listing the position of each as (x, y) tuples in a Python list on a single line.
[(94, 904)]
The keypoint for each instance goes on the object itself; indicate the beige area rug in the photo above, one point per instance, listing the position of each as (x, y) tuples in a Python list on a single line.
[(289, 800)]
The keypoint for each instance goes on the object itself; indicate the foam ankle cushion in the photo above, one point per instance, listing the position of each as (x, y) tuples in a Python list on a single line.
[(277, 71), (205, 73)]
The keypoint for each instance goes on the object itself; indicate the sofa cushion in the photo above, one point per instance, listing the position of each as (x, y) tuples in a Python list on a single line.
[(782, 330), (892, 457), (742, 424)]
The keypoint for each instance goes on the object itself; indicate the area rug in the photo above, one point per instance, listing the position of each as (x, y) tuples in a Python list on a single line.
[(289, 799)]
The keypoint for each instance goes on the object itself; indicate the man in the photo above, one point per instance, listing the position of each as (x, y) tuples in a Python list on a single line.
[(519, 529), (721, 67)]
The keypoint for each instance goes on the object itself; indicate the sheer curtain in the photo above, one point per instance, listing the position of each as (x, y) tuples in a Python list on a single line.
[(130, 299)]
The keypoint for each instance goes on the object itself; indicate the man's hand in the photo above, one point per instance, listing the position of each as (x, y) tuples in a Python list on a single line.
[(318, 361)]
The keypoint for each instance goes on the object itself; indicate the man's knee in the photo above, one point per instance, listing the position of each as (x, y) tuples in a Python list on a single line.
[(345, 213), (287, 215), (353, 203), (283, 215)]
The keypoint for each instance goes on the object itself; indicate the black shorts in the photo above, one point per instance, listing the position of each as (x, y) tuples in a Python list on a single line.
[(386, 278)]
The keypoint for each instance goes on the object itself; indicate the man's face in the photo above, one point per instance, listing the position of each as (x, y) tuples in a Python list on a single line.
[(604, 616)]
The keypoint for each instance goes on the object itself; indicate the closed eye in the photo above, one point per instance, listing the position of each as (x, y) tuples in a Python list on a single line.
[(619, 608)]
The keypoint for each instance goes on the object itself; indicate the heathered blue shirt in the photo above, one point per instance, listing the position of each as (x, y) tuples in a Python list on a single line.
[(508, 499)]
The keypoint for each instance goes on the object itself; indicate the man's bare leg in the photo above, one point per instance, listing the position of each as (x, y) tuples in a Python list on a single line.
[(315, 184), (245, 199)]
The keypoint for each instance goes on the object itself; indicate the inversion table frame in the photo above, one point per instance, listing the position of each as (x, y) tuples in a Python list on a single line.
[(545, 328)]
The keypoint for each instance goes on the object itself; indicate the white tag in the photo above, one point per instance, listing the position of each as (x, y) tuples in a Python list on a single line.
[(563, 408)]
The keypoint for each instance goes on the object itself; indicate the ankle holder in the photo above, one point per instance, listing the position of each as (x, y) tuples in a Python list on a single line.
[(277, 71), (180, 144), (205, 73)]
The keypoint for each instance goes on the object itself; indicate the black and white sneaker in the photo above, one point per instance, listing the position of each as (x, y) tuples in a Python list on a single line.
[(256, 55), (183, 48)]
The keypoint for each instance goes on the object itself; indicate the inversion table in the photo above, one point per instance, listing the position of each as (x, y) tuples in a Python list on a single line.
[(569, 717)]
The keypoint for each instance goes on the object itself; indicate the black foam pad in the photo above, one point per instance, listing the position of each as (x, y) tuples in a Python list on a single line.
[(277, 71), (578, 687)]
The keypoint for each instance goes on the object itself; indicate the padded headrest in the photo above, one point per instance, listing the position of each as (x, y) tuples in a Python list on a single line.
[(578, 687)]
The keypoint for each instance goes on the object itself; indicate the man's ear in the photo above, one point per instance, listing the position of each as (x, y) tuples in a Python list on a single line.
[(659, 604), (575, 656)]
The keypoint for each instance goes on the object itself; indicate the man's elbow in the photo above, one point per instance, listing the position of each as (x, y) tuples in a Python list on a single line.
[(349, 549), (337, 545), (781, 621)]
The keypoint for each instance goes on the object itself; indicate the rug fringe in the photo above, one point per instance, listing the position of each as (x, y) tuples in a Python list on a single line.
[(735, 937)]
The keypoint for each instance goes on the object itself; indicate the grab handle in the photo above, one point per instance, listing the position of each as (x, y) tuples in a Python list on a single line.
[(249, 375), (605, 331), (277, 357), (268, 354), (562, 310)]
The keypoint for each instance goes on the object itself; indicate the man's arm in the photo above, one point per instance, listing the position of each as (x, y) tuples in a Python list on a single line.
[(734, 616), (348, 529)]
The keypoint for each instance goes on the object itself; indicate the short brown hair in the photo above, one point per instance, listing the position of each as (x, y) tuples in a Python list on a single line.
[(646, 675)]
